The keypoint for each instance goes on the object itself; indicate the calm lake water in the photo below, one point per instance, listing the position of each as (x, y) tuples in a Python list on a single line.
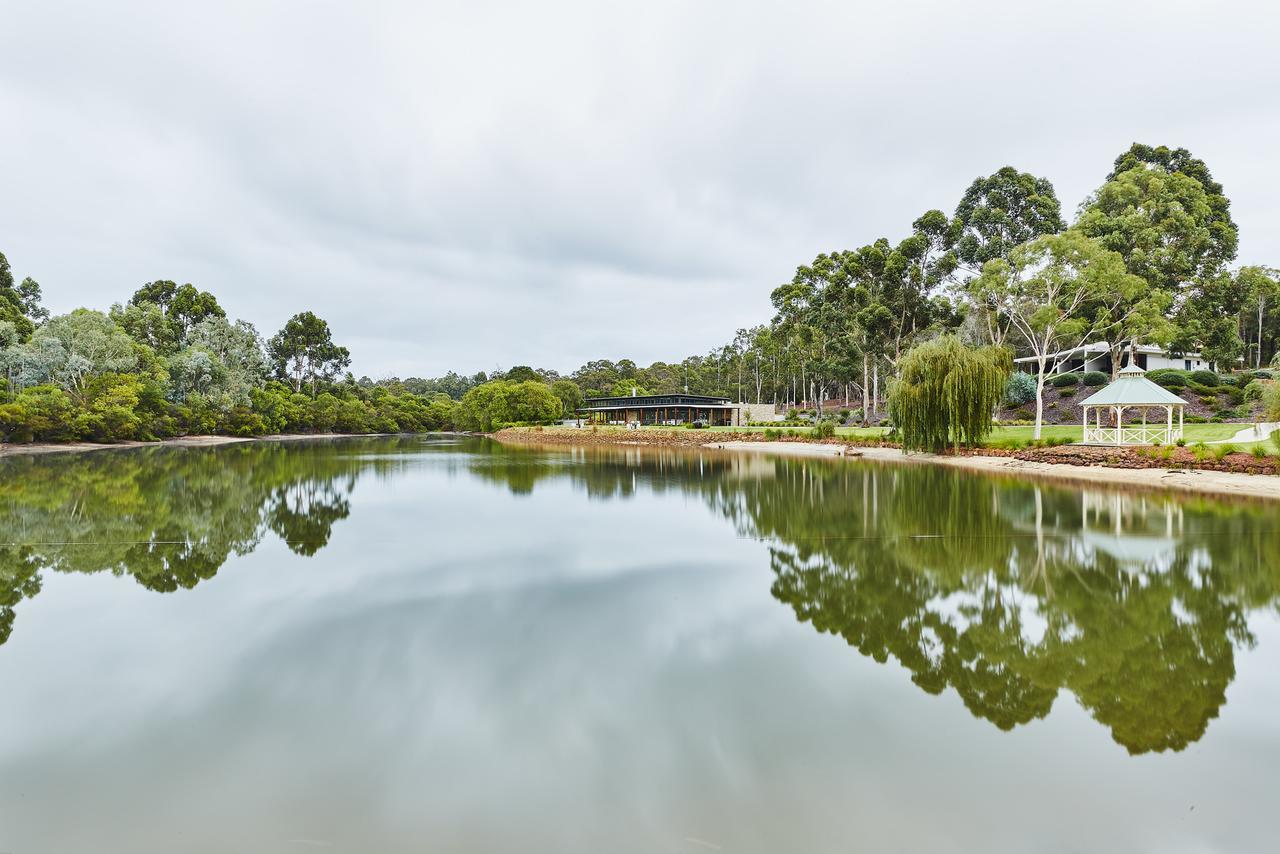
[(411, 645)]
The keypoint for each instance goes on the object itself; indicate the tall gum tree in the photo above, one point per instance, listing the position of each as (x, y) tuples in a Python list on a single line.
[(1046, 289), (1171, 222), (998, 213)]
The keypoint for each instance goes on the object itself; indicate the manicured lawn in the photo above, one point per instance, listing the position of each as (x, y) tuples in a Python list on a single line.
[(1192, 432)]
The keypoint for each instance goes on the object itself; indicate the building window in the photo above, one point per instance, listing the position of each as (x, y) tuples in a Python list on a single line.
[(1186, 364)]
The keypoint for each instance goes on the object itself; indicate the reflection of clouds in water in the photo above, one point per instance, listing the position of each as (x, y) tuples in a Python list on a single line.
[(490, 669)]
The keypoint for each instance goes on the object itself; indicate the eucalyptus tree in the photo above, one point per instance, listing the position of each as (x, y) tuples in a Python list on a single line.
[(20, 303), (303, 352), (181, 307), (1171, 222), (70, 349), (1262, 287), (998, 213), (1044, 289)]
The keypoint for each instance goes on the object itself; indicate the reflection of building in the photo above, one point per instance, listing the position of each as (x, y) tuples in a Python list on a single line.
[(1097, 357), (672, 409), (1139, 531)]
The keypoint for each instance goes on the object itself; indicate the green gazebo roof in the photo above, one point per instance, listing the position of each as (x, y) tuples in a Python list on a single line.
[(1132, 388)]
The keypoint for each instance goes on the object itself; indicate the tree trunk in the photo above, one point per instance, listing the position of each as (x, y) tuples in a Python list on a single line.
[(1039, 400), (875, 389), (866, 386)]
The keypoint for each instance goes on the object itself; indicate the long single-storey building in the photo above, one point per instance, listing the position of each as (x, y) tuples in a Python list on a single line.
[(1097, 357), (672, 409)]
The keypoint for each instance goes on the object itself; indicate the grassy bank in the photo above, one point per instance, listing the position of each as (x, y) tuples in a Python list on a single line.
[(1012, 435)]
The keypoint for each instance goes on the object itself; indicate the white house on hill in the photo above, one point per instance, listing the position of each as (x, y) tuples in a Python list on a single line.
[(1097, 357)]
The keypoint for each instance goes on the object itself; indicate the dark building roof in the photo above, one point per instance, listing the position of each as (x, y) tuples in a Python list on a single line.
[(646, 401)]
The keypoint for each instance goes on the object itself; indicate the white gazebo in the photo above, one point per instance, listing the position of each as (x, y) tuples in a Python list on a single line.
[(1132, 390)]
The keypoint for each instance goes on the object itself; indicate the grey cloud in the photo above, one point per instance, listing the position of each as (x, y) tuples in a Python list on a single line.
[(469, 185)]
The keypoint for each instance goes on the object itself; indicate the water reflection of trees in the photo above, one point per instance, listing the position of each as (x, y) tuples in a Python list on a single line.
[(170, 517), (1004, 591)]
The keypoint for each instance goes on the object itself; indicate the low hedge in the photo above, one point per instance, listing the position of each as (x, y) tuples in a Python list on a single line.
[(1064, 380)]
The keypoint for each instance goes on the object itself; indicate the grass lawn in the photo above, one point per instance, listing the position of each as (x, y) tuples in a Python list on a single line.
[(1192, 432)]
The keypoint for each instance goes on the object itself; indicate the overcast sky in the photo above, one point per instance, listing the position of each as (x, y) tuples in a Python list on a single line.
[(476, 184)]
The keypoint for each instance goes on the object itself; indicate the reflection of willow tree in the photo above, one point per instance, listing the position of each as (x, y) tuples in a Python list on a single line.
[(169, 517), (1004, 591)]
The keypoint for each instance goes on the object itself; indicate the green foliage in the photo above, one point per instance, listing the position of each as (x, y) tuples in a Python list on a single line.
[(570, 396), (1168, 378), (493, 405), (1205, 378), (1094, 379), (1271, 402), (304, 352), (1001, 211), (1064, 380), (1020, 389), (626, 388), (824, 430), (946, 392), (1254, 390)]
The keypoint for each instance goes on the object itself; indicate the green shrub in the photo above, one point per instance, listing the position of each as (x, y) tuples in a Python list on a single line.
[(1208, 378), (1019, 389), (1220, 451), (772, 435), (1254, 390), (1258, 451), (1095, 378), (1069, 391), (1064, 380), (1170, 380), (824, 430), (1263, 375)]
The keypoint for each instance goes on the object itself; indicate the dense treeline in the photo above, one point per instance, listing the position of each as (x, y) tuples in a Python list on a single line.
[(169, 362), (1146, 261)]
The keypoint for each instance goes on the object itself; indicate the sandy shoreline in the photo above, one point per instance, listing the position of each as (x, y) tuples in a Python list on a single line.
[(1181, 480)]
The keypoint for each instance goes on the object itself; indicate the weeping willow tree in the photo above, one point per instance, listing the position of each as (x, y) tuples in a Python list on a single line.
[(946, 392)]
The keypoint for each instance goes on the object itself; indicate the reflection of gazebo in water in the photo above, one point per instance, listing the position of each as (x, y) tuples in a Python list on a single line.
[(1132, 391)]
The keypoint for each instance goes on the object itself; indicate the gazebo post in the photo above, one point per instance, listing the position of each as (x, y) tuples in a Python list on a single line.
[(1085, 410), (1168, 436)]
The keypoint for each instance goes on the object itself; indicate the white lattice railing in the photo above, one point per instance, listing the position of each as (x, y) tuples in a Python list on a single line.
[(1148, 435)]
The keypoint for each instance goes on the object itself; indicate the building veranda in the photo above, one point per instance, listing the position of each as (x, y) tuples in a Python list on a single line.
[(671, 410), (1105, 411)]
